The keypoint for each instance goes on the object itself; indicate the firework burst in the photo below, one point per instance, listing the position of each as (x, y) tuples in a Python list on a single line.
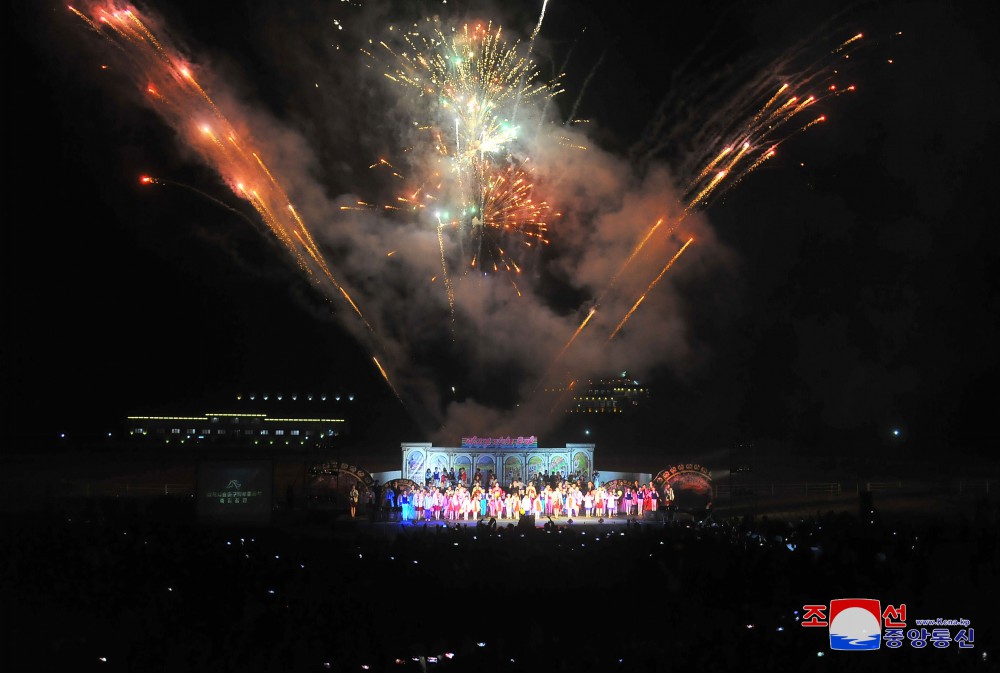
[(470, 160), (473, 181)]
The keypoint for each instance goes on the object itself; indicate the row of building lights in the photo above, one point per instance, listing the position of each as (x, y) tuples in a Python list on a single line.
[(294, 396)]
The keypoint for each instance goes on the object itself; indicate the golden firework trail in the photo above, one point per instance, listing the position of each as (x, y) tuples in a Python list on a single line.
[(168, 78), (559, 402), (150, 180), (635, 252), (772, 124), (447, 278), (650, 287), (579, 329), (741, 152), (386, 377), (562, 351)]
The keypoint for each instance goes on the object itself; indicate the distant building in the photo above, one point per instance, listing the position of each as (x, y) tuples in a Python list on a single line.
[(615, 395), (264, 420)]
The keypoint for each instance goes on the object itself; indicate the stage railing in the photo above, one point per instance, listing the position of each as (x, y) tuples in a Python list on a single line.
[(960, 487)]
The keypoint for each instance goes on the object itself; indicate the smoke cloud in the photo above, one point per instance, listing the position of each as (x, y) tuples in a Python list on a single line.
[(506, 337)]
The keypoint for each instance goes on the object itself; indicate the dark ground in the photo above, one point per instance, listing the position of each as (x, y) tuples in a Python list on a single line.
[(134, 583)]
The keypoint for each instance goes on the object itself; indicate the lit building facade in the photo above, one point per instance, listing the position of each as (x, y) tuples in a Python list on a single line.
[(252, 419), (236, 428), (616, 395)]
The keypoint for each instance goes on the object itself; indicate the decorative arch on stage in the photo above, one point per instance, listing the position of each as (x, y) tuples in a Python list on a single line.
[(508, 458), (398, 486), (692, 484), (331, 483)]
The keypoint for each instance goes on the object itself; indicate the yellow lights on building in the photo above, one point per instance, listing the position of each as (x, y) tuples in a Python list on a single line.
[(167, 418), (235, 428), (604, 396), (305, 420)]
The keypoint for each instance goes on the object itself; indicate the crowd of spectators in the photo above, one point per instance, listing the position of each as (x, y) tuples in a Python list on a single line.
[(116, 589)]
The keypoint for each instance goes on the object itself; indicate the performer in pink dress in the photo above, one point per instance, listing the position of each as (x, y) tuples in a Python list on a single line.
[(453, 506), (572, 503), (418, 504)]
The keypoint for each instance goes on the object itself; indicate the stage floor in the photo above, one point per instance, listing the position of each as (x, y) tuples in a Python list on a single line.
[(563, 521)]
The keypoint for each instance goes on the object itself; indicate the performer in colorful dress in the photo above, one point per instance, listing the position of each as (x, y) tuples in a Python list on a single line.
[(418, 504), (404, 505), (454, 505)]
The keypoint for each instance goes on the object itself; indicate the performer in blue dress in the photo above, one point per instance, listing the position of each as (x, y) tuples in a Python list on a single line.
[(389, 504), (406, 505)]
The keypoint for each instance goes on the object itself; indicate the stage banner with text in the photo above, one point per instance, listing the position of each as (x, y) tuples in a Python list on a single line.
[(235, 492)]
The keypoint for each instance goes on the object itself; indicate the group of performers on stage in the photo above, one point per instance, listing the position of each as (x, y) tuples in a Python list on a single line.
[(565, 499)]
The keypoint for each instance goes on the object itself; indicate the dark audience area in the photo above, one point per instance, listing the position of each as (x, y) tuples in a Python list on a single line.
[(106, 587)]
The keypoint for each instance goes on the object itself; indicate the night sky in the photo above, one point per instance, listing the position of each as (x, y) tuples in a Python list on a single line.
[(848, 288)]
